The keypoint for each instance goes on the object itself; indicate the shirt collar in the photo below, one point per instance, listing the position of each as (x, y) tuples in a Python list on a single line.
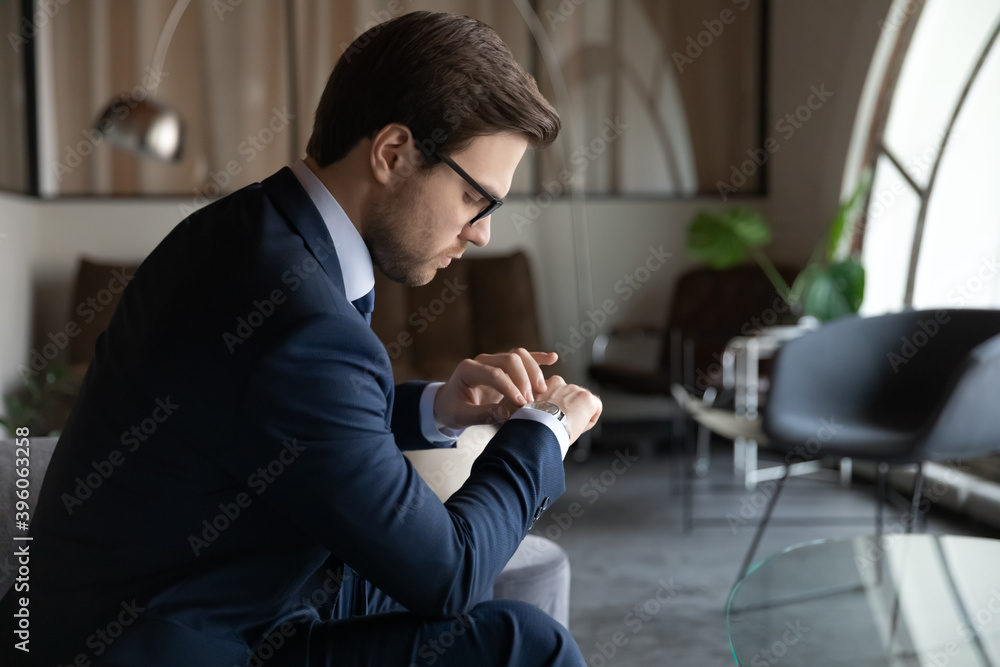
[(352, 253)]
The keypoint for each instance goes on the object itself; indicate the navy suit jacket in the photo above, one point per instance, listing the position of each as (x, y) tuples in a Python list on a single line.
[(237, 439)]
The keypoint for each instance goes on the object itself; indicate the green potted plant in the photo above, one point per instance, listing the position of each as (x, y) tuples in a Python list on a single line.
[(42, 405), (827, 288)]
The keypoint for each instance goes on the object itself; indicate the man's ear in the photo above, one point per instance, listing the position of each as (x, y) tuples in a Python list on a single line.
[(394, 155)]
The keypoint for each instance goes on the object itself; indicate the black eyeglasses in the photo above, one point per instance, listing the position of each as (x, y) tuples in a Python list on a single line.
[(494, 203)]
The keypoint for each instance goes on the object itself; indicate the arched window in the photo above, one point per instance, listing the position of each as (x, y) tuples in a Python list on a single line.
[(929, 128)]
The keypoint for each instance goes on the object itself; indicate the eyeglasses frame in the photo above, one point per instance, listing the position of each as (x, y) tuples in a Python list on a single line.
[(494, 203)]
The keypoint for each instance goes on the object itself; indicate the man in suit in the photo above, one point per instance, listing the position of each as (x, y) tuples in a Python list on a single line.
[(230, 488)]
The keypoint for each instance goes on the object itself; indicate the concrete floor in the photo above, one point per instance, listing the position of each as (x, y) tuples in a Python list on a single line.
[(644, 592)]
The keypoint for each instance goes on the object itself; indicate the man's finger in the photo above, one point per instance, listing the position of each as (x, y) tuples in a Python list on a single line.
[(533, 361), (514, 365), (545, 358), (478, 374)]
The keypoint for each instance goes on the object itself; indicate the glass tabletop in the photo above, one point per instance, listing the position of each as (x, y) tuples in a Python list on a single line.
[(904, 601)]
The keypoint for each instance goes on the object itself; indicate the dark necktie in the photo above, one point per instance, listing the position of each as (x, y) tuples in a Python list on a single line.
[(366, 304)]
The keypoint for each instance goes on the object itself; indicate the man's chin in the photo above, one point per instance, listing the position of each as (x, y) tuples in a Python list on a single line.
[(423, 278), (412, 277)]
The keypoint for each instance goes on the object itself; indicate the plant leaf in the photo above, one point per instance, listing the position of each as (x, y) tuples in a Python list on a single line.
[(846, 210), (721, 241), (835, 291)]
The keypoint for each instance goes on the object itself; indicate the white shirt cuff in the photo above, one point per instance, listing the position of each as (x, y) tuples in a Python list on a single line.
[(432, 430), (548, 420)]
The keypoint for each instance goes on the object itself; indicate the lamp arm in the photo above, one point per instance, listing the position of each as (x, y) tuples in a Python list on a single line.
[(163, 43)]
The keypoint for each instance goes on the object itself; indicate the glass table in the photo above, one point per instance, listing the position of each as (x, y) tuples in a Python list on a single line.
[(908, 600)]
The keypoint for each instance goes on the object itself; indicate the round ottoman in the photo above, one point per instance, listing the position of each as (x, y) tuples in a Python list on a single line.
[(538, 573)]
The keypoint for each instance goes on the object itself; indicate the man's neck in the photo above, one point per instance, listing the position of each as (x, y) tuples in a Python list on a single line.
[(342, 182)]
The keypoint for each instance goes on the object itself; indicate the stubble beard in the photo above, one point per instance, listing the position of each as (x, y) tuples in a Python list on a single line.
[(394, 238)]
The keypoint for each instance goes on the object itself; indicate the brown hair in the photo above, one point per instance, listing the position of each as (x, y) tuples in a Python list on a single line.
[(448, 78)]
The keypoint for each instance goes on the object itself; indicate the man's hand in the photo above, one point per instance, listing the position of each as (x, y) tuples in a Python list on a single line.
[(582, 408), (489, 388)]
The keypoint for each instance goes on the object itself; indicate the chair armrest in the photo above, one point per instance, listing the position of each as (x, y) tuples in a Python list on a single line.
[(988, 351), (969, 408)]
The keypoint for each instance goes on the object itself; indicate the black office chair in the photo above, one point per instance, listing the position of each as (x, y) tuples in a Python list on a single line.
[(902, 388)]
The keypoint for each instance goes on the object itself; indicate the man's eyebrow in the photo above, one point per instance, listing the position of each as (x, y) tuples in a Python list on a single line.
[(492, 192)]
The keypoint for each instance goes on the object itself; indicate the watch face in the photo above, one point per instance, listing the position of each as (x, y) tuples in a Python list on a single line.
[(551, 408)]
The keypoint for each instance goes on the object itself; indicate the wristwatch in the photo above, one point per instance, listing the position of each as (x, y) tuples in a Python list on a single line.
[(553, 410)]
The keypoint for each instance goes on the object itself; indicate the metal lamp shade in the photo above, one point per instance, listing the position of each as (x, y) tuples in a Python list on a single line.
[(143, 126)]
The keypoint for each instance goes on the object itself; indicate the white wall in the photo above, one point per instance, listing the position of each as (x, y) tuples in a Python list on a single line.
[(813, 43), (18, 222), (123, 230)]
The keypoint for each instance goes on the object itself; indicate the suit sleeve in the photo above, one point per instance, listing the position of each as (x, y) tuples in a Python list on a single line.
[(323, 388), (406, 424)]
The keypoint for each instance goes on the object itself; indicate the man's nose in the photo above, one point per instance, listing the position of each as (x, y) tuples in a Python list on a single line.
[(478, 233)]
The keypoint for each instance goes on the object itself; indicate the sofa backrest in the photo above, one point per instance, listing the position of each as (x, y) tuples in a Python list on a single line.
[(473, 306)]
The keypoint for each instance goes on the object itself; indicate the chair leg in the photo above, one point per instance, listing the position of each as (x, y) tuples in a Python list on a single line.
[(752, 550), (882, 481), (702, 452), (687, 482), (881, 487), (918, 488)]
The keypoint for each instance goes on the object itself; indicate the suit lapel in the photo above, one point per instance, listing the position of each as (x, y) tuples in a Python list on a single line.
[(288, 195)]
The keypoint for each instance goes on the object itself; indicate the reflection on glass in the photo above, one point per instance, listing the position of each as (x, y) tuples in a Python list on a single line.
[(904, 600)]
